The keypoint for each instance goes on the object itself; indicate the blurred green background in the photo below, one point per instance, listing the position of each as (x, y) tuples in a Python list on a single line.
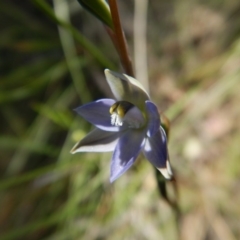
[(46, 70)]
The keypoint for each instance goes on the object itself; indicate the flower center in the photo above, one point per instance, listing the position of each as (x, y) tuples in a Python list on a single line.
[(125, 112)]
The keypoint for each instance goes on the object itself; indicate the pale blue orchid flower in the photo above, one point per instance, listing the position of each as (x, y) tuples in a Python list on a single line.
[(126, 125)]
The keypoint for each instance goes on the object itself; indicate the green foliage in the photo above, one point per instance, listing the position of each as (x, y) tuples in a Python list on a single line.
[(52, 61)]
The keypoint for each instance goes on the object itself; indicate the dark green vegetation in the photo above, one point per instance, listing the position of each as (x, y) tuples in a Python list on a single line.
[(46, 71)]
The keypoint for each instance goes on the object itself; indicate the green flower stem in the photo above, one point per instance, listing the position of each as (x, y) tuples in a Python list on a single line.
[(120, 41)]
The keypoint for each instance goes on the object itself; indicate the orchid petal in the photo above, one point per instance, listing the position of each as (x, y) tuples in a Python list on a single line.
[(97, 141), (126, 152), (97, 113), (155, 150), (153, 118), (167, 171), (126, 88)]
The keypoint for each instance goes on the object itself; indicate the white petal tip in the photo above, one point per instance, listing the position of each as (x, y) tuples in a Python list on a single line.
[(166, 172), (76, 148), (107, 71), (169, 168), (73, 150), (113, 178)]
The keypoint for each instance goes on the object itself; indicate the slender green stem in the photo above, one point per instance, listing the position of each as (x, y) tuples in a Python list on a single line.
[(120, 39)]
